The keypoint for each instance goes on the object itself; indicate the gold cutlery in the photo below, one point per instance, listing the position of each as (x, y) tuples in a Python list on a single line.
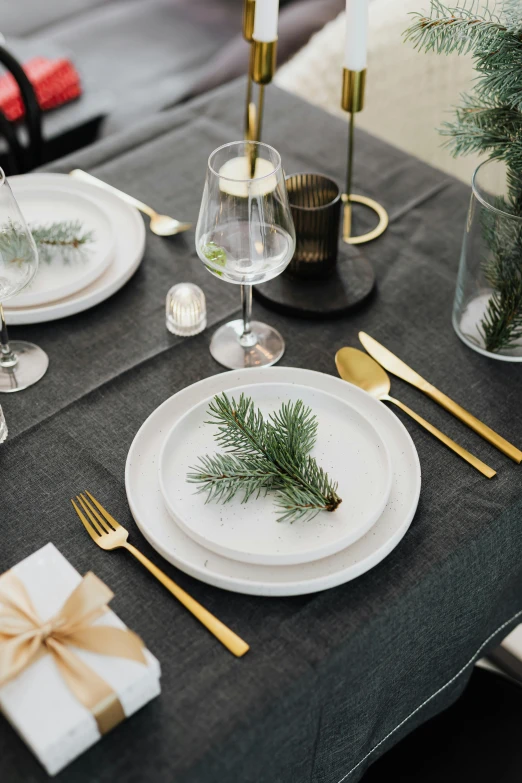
[(360, 369), (394, 365), (109, 534), (162, 225)]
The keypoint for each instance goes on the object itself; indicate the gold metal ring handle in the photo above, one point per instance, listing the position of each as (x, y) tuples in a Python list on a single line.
[(371, 204)]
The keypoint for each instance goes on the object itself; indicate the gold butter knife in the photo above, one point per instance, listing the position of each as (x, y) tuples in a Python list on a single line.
[(393, 364)]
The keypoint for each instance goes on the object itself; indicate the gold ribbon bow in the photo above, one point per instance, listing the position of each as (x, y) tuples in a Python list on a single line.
[(24, 638)]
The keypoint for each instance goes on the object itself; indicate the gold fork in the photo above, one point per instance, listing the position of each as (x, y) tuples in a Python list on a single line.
[(109, 534)]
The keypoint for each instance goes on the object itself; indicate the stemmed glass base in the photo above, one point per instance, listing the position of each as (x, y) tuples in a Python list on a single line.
[(245, 343), (262, 347), (25, 365)]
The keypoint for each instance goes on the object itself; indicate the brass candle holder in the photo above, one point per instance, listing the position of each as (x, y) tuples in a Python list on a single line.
[(352, 101), (261, 70), (249, 11)]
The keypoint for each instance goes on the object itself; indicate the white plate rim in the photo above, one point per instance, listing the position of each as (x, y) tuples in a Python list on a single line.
[(263, 588), (70, 289), (84, 300), (274, 560)]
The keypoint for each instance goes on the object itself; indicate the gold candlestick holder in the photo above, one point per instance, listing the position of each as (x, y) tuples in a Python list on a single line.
[(261, 70), (249, 10), (352, 101)]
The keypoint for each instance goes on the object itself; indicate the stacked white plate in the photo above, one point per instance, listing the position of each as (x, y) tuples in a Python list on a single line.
[(241, 546), (65, 285)]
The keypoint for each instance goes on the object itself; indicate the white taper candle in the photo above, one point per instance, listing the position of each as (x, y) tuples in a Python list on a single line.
[(356, 42), (265, 20)]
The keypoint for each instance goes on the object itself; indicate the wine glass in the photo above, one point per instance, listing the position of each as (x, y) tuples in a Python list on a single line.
[(245, 235), (21, 363)]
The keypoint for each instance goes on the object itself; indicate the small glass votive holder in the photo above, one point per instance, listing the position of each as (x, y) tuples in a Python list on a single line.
[(186, 310), (3, 426), (315, 203)]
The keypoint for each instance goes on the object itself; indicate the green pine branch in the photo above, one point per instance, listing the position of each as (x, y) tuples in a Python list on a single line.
[(223, 476), (68, 238), (447, 30), (15, 246), (481, 126), (501, 326), (265, 456)]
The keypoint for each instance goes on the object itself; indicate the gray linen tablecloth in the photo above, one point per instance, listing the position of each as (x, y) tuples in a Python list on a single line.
[(334, 679)]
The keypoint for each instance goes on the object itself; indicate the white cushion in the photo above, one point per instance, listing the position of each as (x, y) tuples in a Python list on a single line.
[(408, 93)]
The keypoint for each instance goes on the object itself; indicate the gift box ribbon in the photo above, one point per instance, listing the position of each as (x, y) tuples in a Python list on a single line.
[(24, 637)]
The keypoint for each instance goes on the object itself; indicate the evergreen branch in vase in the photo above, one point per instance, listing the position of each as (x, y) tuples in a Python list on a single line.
[(482, 126), (488, 121), (501, 326), (266, 456), (447, 30)]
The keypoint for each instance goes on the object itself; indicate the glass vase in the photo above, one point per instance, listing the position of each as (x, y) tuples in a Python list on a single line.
[(487, 313)]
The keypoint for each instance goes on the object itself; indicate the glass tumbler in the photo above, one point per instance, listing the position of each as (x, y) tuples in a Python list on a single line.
[(315, 203), (487, 313)]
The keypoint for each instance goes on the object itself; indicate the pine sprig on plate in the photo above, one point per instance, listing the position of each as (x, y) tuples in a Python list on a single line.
[(296, 426), (15, 247), (67, 238), (222, 476), (266, 456)]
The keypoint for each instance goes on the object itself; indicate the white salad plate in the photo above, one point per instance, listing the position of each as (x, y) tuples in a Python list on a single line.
[(348, 448), (167, 537), (63, 274), (129, 236)]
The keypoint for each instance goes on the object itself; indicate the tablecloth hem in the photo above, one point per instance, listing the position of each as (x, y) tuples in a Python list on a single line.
[(471, 662)]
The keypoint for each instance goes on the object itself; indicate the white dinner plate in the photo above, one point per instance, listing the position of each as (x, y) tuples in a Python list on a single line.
[(129, 235), (154, 521), (63, 274), (348, 448)]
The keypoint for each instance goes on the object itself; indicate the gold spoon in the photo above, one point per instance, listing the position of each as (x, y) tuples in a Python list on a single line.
[(162, 225), (360, 369)]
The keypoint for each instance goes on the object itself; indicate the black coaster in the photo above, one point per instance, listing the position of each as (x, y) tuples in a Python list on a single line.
[(351, 283)]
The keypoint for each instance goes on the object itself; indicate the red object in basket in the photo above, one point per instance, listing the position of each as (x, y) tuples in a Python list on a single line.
[(55, 82)]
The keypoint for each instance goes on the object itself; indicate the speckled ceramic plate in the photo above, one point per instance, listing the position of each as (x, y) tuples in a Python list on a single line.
[(128, 230), (63, 274), (156, 524), (348, 448)]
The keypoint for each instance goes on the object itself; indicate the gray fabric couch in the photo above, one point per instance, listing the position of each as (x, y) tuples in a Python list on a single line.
[(137, 57)]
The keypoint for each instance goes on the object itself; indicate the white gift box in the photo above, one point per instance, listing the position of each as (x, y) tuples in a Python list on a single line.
[(38, 703)]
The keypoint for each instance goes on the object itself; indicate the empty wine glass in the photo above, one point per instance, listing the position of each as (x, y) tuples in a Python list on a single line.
[(21, 363), (245, 235)]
